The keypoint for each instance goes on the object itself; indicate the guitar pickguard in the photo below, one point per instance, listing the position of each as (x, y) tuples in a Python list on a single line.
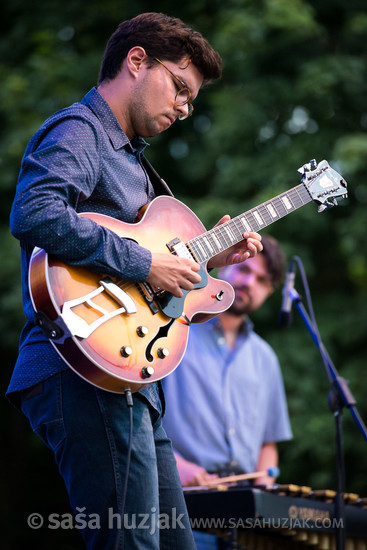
[(171, 305)]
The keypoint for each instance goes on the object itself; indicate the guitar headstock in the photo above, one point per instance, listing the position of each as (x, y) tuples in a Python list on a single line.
[(323, 183)]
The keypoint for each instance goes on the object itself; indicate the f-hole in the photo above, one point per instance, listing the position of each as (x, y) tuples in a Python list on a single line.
[(163, 331)]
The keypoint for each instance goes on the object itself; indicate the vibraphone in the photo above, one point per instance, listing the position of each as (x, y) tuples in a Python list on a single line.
[(286, 517)]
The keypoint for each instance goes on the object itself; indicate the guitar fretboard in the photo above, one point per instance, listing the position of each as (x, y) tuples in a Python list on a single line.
[(222, 237)]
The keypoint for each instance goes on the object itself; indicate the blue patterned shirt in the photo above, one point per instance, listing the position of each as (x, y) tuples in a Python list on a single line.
[(80, 160)]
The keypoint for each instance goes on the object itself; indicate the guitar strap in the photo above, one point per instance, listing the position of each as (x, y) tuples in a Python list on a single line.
[(161, 188), (159, 185)]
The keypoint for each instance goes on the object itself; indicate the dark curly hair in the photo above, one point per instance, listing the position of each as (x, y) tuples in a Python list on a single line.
[(275, 259), (167, 38)]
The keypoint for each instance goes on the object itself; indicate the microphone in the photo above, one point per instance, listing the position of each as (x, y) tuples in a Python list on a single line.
[(285, 314)]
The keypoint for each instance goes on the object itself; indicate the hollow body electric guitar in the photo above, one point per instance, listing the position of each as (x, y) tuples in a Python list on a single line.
[(117, 334)]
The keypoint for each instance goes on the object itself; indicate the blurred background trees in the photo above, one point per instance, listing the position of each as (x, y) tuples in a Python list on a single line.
[(294, 88)]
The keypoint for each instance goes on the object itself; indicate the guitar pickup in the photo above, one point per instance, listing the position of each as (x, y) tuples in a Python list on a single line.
[(177, 247)]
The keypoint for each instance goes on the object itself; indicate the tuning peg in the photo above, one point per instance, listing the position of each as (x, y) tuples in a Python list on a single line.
[(303, 169), (308, 167), (327, 204)]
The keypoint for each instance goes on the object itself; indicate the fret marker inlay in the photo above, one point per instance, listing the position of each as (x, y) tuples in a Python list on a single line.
[(257, 217), (245, 224), (271, 210), (287, 203)]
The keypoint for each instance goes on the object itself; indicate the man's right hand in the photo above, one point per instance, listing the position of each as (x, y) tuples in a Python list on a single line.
[(173, 273), (191, 474)]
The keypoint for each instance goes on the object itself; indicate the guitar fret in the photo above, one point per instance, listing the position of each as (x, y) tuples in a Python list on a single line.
[(204, 244), (265, 215), (192, 248), (279, 207), (239, 228), (193, 251), (207, 244), (224, 237), (297, 198), (216, 241), (237, 232), (303, 194), (199, 252), (255, 226), (220, 237), (228, 230)]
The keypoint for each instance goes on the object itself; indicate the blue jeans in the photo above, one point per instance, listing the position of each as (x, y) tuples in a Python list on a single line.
[(87, 429)]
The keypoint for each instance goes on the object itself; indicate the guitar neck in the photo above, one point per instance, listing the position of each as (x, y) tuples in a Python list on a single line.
[(224, 236)]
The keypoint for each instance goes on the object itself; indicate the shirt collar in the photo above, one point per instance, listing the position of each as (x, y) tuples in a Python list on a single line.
[(246, 327), (103, 111)]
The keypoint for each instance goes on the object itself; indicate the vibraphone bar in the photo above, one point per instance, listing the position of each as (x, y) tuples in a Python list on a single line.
[(288, 517)]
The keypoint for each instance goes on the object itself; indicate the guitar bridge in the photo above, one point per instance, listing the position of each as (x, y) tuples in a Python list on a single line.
[(148, 294)]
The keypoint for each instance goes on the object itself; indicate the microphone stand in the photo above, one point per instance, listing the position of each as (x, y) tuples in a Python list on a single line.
[(339, 397)]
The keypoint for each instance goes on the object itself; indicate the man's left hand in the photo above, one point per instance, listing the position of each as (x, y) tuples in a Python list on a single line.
[(247, 248)]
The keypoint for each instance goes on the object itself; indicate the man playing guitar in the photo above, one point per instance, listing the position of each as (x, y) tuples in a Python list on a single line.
[(88, 158)]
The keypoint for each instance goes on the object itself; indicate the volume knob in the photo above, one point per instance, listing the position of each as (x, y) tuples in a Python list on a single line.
[(162, 353), (147, 372), (126, 351), (142, 331)]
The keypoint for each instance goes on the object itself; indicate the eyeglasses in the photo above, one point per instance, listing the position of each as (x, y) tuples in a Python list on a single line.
[(183, 96)]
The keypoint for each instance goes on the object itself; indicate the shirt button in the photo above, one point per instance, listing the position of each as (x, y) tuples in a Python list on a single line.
[(221, 340), (231, 431)]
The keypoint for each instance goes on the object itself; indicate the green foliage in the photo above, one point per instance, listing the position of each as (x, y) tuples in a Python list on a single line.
[(293, 88)]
